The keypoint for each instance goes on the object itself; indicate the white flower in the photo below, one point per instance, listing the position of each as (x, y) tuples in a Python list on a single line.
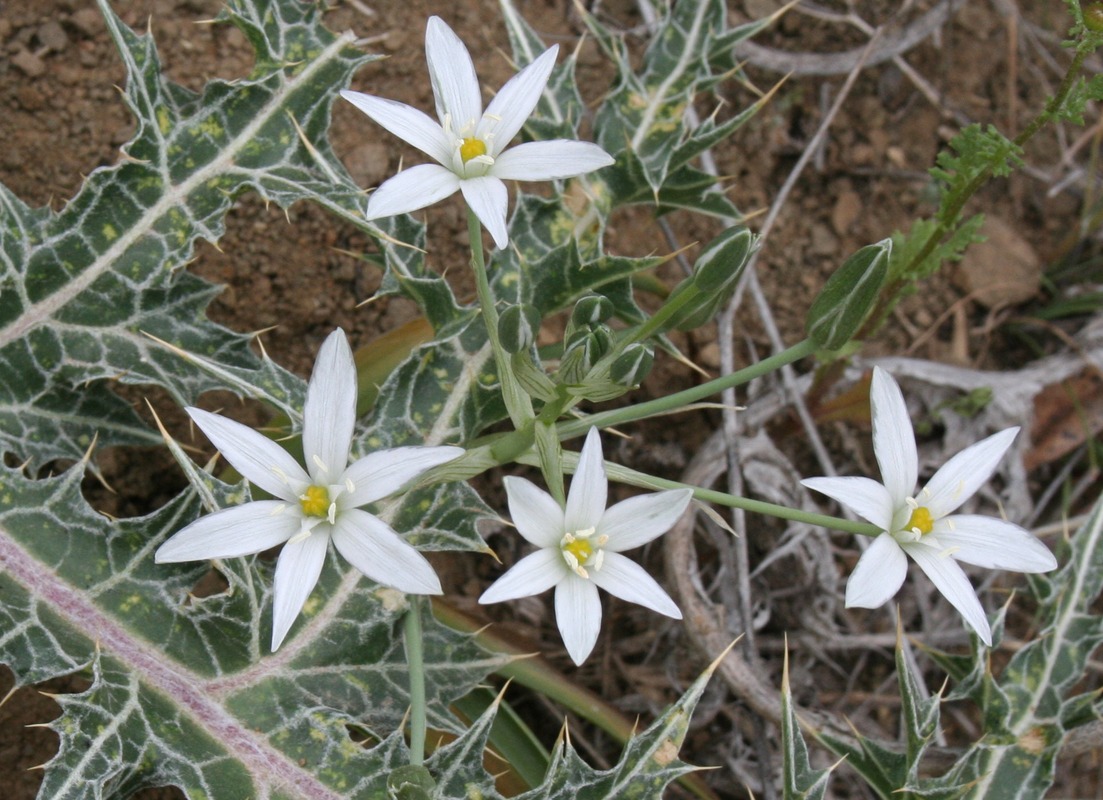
[(316, 505), (580, 548), (922, 525), (468, 143)]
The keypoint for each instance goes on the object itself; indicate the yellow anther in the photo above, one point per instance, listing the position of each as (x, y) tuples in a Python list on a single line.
[(472, 148), (315, 501), (920, 520)]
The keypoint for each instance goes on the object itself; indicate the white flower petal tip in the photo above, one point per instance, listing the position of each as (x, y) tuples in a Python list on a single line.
[(919, 524), (468, 143), (579, 548), (314, 505)]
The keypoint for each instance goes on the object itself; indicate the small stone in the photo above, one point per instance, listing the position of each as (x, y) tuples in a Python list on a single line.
[(824, 242), (1003, 270), (88, 21), (30, 98), (28, 63), (52, 36), (848, 207)]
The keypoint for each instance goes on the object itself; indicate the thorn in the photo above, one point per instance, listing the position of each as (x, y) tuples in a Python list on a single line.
[(5, 698)]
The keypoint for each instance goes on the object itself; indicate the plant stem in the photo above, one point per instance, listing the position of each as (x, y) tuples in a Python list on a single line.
[(415, 662), (662, 405), (517, 402), (643, 480)]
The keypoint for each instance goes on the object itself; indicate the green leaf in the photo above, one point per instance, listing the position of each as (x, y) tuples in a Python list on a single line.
[(183, 689), (799, 780), (82, 286)]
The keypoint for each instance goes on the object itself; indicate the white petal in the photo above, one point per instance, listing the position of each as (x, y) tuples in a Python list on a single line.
[(878, 575), (535, 513), (961, 476), (297, 570), (411, 189), (370, 545), (578, 614), (329, 412), (254, 455), (949, 579), (622, 577), (893, 439), (455, 85), (546, 161), (407, 123), (535, 573), (231, 532), (638, 520), (589, 488), (384, 472), (515, 101), (864, 496), (488, 198), (993, 543)]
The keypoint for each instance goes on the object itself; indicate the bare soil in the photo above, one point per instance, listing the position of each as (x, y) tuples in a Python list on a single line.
[(61, 116)]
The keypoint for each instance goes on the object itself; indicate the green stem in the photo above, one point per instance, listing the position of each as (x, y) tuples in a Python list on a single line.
[(644, 481), (517, 402), (662, 405), (949, 216), (415, 662)]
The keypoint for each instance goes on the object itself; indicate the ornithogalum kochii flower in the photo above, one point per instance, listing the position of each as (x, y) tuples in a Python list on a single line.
[(468, 143), (922, 525), (580, 548), (315, 505)]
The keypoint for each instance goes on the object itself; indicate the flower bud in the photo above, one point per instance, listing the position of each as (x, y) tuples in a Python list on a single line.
[(632, 366), (518, 326), (715, 275), (583, 349), (721, 263), (848, 296), (591, 310)]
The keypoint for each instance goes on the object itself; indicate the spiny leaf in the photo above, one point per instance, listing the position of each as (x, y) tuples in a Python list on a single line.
[(81, 286)]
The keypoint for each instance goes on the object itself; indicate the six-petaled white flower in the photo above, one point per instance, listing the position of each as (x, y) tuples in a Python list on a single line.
[(923, 525), (468, 143), (580, 548), (313, 506)]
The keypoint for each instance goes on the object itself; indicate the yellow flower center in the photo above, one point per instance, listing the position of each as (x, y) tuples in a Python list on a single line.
[(920, 520), (472, 148), (315, 501), (580, 548)]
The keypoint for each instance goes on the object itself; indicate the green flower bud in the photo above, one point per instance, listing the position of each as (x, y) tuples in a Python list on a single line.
[(721, 263), (632, 366), (591, 310), (715, 276), (848, 296), (579, 356), (517, 327)]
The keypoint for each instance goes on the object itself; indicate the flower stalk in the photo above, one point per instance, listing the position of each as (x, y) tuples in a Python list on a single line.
[(415, 663)]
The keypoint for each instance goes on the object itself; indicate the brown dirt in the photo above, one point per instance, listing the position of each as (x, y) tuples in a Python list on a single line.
[(61, 117)]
